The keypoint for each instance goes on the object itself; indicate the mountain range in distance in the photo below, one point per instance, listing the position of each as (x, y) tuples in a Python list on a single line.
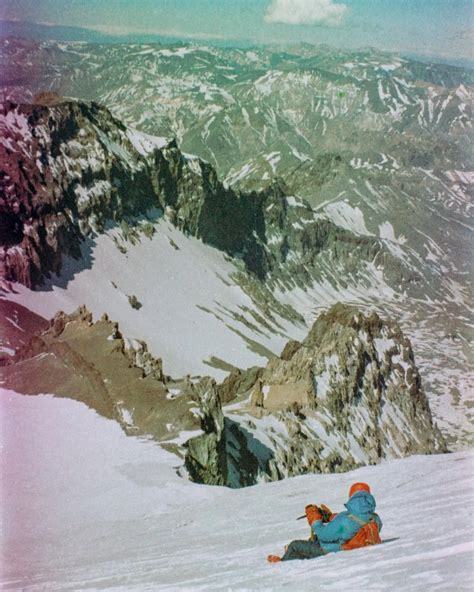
[(214, 202)]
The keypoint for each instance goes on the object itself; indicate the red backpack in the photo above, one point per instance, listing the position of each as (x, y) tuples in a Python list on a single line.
[(368, 534)]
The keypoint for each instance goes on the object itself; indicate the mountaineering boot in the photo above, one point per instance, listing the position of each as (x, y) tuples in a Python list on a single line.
[(273, 559)]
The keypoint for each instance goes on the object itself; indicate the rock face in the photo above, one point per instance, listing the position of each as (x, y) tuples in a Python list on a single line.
[(66, 169), (70, 168), (17, 325), (206, 458), (349, 395)]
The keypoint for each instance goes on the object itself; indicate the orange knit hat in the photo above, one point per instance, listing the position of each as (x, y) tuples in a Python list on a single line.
[(358, 487)]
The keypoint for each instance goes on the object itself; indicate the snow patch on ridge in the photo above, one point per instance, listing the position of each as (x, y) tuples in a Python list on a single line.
[(143, 143), (348, 217), (387, 231)]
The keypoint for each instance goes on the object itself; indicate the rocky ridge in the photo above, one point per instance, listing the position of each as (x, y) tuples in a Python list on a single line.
[(70, 169), (92, 362), (59, 181), (350, 394)]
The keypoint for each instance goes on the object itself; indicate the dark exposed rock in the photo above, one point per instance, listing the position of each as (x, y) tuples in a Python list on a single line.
[(134, 302), (206, 459), (115, 331), (238, 382), (69, 168), (63, 174), (290, 349), (350, 394)]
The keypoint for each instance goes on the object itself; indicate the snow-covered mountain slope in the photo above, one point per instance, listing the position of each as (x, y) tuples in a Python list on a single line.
[(192, 310), (379, 145), (85, 507), (82, 173)]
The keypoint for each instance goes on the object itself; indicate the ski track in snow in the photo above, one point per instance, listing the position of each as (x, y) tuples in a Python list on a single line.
[(87, 508)]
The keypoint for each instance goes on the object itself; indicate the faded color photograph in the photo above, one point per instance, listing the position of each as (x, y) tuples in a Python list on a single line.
[(236, 245)]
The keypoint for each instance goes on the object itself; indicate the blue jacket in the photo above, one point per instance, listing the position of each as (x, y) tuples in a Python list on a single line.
[(342, 528)]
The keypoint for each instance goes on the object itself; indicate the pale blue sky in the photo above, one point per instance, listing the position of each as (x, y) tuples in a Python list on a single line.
[(430, 27)]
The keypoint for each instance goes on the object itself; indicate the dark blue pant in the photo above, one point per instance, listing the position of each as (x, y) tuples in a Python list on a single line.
[(303, 550)]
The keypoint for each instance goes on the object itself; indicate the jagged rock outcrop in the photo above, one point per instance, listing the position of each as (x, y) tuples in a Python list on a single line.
[(206, 458), (65, 170), (68, 168), (350, 394), (73, 356), (137, 351)]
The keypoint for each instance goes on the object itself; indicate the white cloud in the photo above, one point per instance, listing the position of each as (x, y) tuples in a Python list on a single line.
[(306, 12)]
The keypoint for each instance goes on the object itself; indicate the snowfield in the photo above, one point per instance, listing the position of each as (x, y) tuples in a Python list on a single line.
[(190, 304), (84, 507)]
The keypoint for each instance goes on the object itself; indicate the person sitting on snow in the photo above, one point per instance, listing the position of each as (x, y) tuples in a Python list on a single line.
[(357, 527)]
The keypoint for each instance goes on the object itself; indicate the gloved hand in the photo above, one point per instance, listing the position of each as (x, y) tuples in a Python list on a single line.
[(325, 512), (312, 513)]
